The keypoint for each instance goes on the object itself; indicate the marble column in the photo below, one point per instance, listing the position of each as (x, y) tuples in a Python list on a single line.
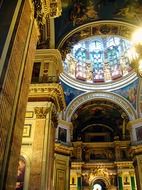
[(133, 185), (79, 182), (120, 183)]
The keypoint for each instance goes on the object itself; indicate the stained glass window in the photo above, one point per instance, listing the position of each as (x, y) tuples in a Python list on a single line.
[(98, 59)]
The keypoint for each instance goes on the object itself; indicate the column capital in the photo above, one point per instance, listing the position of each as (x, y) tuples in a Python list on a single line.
[(131, 173), (41, 112)]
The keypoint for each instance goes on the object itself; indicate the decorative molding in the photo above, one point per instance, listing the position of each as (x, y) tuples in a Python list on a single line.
[(63, 149), (45, 9), (109, 87), (124, 164), (54, 117), (102, 28), (48, 92), (100, 173), (41, 112), (52, 56), (83, 98), (27, 130), (55, 8), (29, 114), (136, 150)]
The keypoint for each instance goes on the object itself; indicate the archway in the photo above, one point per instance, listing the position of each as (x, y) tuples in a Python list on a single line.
[(115, 98)]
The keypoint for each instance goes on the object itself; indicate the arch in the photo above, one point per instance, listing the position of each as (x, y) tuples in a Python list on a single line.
[(96, 179), (112, 97)]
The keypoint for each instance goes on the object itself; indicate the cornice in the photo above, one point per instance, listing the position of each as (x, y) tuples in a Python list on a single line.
[(124, 164), (48, 92), (63, 149), (41, 112), (112, 97), (136, 150), (101, 144), (52, 56)]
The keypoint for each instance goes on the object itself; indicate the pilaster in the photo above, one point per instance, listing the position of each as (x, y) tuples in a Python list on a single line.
[(43, 146), (16, 69)]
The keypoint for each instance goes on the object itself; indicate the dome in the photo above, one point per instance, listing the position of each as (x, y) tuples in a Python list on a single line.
[(98, 59)]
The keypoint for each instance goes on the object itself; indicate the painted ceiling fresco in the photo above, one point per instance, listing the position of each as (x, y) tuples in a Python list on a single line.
[(79, 12), (93, 44), (129, 92)]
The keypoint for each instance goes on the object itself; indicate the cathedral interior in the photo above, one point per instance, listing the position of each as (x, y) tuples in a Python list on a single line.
[(70, 95)]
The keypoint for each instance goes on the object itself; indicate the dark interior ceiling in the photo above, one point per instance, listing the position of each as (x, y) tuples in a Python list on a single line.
[(99, 116), (78, 12)]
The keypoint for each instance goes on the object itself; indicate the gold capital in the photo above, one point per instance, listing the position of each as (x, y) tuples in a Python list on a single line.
[(41, 112)]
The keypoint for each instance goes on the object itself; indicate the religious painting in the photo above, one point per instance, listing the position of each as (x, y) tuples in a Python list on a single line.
[(129, 92), (139, 133), (80, 12), (81, 72), (70, 93), (62, 134), (20, 175)]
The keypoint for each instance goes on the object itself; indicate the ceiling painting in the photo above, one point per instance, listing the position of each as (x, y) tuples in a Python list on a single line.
[(70, 93), (78, 12), (99, 116), (130, 93)]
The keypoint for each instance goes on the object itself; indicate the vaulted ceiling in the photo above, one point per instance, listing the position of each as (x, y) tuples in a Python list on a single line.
[(80, 20)]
